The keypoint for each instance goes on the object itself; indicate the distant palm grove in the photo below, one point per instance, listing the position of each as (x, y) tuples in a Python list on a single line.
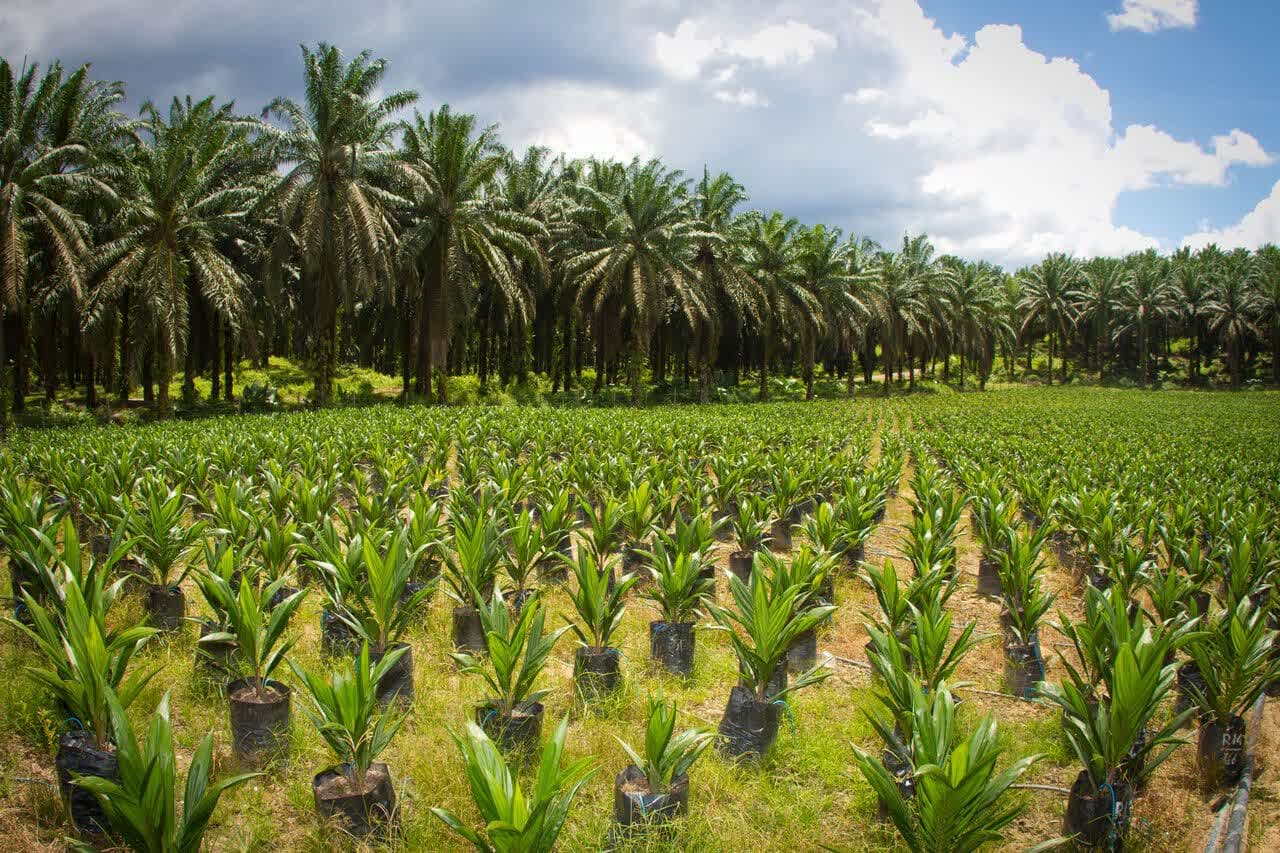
[(137, 252)]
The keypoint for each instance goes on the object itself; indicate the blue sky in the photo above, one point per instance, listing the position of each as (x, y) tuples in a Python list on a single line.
[(1002, 129), (1192, 82)]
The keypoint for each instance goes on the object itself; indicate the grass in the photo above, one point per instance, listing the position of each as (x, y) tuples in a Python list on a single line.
[(807, 793)]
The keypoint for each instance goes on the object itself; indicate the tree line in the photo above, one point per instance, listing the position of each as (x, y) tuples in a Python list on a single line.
[(333, 229)]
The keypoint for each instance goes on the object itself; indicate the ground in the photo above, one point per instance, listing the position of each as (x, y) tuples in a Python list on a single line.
[(807, 795)]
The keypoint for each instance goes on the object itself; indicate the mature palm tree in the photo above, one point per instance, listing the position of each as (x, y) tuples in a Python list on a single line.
[(1265, 277), (898, 302), (1009, 300), (637, 254), (857, 329), (52, 126), (1145, 300), (334, 203), (1231, 310), (970, 299), (771, 251), (730, 292), (822, 269), (1190, 292), (1096, 299), (532, 185), (460, 242), (186, 192), (1049, 285)]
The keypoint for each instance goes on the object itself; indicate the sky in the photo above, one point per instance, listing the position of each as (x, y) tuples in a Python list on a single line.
[(1004, 129)]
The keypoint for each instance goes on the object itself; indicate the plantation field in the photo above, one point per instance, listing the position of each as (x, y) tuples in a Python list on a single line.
[(1129, 482)]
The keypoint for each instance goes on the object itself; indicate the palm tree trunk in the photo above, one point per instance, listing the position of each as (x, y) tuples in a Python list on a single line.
[(406, 334), (1062, 340), (639, 349), (228, 362), (90, 384), (849, 386), (20, 359), (1275, 352), (570, 344), (888, 365), (1050, 357), (764, 370), (327, 362), (164, 361), (1142, 354), (808, 366), (215, 356), (125, 361), (148, 375)]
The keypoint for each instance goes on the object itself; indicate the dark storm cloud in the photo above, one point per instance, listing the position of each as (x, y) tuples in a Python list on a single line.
[(450, 51)]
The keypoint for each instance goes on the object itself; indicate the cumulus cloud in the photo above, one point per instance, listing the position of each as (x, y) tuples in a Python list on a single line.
[(695, 42), (1148, 16), (1025, 142), (864, 114), (1258, 227)]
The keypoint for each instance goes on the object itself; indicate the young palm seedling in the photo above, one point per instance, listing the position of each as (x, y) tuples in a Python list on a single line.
[(259, 704), (761, 626), (27, 516), (960, 801), (860, 504), (345, 708), (517, 653), (1236, 661), (525, 548), (384, 609), (786, 502), (1026, 604), (810, 572), (679, 587), (161, 538), (218, 582), (469, 573), (84, 665), (935, 656), (992, 511), (604, 531), (514, 823), (597, 666), (339, 563), (655, 787), (276, 546), (895, 616), (640, 519), (1109, 733), (141, 805), (751, 531), (558, 523)]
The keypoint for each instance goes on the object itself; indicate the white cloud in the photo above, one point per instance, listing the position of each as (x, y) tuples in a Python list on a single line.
[(777, 44), (1258, 227), (1148, 16), (741, 98), (865, 95), (1023, 143), (684, 52), (724, 75), (576, 119)]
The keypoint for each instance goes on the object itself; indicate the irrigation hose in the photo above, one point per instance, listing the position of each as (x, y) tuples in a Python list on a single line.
[(1234, 816)]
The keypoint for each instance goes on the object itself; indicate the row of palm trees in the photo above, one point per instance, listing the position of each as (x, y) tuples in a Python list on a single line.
[(335, 230)]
